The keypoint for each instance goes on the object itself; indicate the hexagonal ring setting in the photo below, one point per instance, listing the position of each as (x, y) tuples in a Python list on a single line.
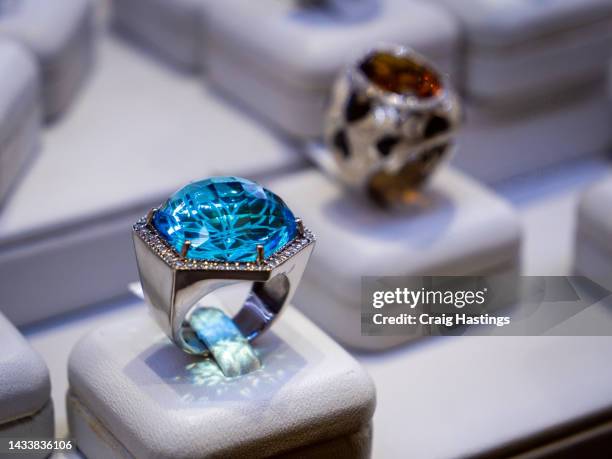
[(214, 233)]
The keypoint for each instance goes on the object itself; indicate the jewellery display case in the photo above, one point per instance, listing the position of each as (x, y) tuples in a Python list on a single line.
[(530, 70), (593, 253), (61, 36), (309, 399), (446, 232), (86, 203), (19, 114), (279, 59), (26, 410), (256, 89), (171, 29)]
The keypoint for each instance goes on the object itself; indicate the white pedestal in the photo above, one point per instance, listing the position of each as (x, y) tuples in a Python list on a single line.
[(459, 228), (458, 392), (19, 113), (26, 410), (132, 392), (170, 28), (61, 36), (533, 75), (593, 256), (279, 59), (118, 153), (496, 145), (519, 51)]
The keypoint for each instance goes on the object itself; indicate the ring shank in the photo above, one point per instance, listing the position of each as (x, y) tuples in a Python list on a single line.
[(263, 304), (261, 307), (173, 290)]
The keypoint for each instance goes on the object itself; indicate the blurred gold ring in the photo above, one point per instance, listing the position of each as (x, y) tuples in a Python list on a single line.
[(390, 123)]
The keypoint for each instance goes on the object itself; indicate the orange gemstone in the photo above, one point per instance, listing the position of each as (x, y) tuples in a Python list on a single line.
[(403, 187), (401, 75)]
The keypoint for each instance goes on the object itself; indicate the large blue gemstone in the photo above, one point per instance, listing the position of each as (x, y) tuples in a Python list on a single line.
[(225, 219)]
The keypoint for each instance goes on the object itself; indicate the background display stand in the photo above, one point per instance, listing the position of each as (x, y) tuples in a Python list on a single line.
[(279, 59), (134, 393), (172, 29), (520, 51), (593, 256), (443, 234), (103, 166), (61, 36), (26, 410), (530, 384), (532, 70), (19, 113), (497, 145)]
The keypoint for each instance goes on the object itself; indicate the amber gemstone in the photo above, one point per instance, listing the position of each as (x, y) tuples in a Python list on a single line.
[(401, 75), (403, 187)]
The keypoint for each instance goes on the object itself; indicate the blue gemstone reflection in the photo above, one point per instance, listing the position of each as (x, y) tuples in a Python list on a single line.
[(223, 339), (225, 219)]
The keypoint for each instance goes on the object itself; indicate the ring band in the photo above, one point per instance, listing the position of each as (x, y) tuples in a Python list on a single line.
[(211, 234), (390, 122)]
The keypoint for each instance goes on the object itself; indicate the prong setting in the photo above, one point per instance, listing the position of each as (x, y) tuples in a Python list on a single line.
[(185, 249), (300, 226), (150, 215), (146, 232)]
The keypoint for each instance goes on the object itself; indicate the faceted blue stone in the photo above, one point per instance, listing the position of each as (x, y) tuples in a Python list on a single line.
[(225, 219)]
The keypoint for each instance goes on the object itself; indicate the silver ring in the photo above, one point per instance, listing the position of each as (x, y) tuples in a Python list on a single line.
[(211, 234), (390, 122)]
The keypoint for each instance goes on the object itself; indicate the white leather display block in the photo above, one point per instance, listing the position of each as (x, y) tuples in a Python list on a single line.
[(26, 410), (458, 228), (520, 50), (67, 227), (61, 36), (170, 28), (279, 59), (134, 394), (19, 113), (495, 145), (494, 397), (593, 255)]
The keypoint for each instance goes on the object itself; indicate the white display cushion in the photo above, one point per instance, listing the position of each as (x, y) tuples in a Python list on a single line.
[(498, 396), (36, 427), (458, 228), (593, 255), (495, 145), (279, 59), (520, 50), (61, 36), (25, 388), (134, 393), (172, 29), (19, 113), (66, 228)]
